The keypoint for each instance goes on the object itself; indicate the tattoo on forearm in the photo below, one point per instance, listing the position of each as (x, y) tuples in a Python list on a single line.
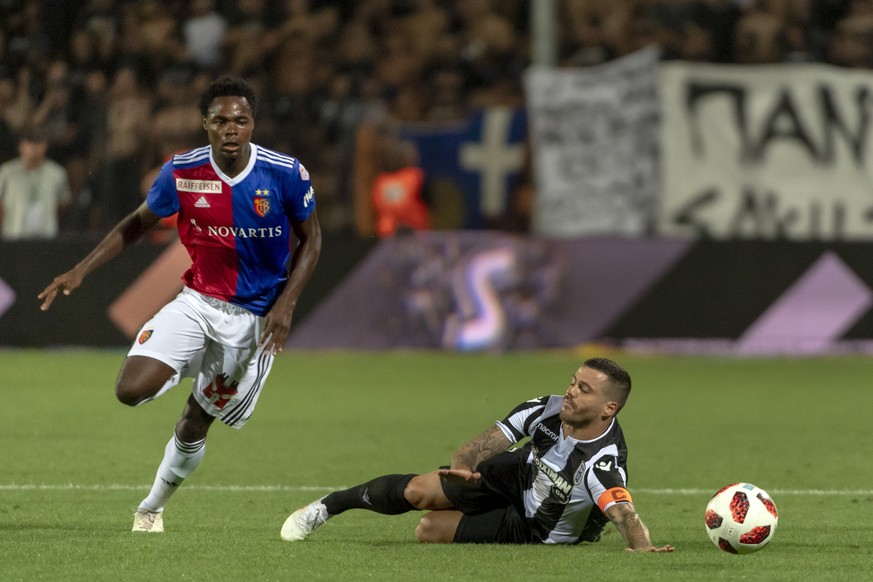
[(486, 445), (631, 527)]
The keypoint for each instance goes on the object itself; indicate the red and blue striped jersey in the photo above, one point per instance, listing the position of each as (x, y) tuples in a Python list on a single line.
[(237, 230)]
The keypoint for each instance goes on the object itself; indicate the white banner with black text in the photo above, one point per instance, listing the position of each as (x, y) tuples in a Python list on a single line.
[(595, 135), (766, 152)]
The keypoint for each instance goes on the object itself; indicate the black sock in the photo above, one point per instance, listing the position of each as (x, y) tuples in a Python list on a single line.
[(383, 495)]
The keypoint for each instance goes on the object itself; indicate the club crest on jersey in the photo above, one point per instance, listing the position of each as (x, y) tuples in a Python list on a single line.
[(262, 206), (577, 478), (145, 335)]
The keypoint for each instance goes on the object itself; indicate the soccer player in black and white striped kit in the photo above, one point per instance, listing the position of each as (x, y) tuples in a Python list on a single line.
[(561, 487)]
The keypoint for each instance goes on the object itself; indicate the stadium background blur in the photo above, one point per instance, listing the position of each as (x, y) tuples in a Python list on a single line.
[(116, 82), (114, 86)]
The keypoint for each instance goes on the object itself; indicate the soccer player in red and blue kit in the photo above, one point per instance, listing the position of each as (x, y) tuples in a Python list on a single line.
[(238, 205)]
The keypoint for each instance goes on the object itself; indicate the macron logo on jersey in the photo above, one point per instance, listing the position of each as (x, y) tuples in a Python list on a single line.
[(204, 186), (547, 431)]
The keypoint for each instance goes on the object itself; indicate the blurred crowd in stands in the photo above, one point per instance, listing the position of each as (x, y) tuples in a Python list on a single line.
[(114, 84)]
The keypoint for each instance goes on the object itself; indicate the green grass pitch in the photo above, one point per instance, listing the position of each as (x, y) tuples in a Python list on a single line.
[(75, 463)]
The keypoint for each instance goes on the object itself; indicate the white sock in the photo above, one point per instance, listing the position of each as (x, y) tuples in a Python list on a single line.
[(180, 460)]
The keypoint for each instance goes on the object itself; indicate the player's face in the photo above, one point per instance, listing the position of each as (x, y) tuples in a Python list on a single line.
[(229, 124), (586, 399)]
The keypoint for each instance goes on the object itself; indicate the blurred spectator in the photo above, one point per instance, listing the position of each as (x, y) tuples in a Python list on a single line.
[(100, 21), (204, 35), (640, 26), (86, 169), (55, 112), (15, 99), (447, 94), (356, 49), (127, 119), (760, 38), (588, 32), (245, 39), (424, 25), (14, 110), (28, 44), (490, 50), (397, 66), (799, 44), (336, 77), (176, 123), (398, 193), (153, 31), (352, 109), (695, 43), (33, 191), (852, 41)]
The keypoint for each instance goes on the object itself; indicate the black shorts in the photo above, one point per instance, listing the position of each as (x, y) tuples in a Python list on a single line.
[(494, 508)]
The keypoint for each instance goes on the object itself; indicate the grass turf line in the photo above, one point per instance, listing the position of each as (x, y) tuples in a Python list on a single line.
[(341, 418)]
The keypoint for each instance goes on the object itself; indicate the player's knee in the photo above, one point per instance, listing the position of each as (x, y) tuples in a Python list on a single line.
[(140, 379), (427, 531), (419, 492), (130, 393), (133, 389)]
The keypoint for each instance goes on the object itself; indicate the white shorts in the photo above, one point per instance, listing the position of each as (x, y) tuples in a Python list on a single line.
[(214, 342)]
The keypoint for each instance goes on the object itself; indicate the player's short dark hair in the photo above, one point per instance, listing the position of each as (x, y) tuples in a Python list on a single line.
[(228, 87), (619, 379)]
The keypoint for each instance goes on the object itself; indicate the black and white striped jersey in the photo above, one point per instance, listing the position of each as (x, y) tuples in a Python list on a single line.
[(571, 482)]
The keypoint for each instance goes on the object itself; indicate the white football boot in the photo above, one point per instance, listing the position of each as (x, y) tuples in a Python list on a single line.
[(304, 521), (148, 521)]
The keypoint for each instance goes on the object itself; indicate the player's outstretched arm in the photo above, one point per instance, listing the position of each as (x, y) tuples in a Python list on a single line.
[(491, 442), (277, 323), (628, 523), (126, 232)]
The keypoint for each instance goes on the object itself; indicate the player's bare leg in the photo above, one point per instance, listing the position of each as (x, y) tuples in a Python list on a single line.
[(194, 422), (438, 527), (182, 455), (141, 379), (426, 492)]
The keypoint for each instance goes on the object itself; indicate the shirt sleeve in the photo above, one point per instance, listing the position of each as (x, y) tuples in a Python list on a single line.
[(607, 482), (163, 199), (298, 195), (518, 422)]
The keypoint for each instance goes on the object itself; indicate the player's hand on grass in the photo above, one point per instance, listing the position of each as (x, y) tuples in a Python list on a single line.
[(662, 549), (465, 476), (64, 283)]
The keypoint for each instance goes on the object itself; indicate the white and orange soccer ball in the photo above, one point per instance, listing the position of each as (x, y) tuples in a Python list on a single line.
[(741, 518)]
